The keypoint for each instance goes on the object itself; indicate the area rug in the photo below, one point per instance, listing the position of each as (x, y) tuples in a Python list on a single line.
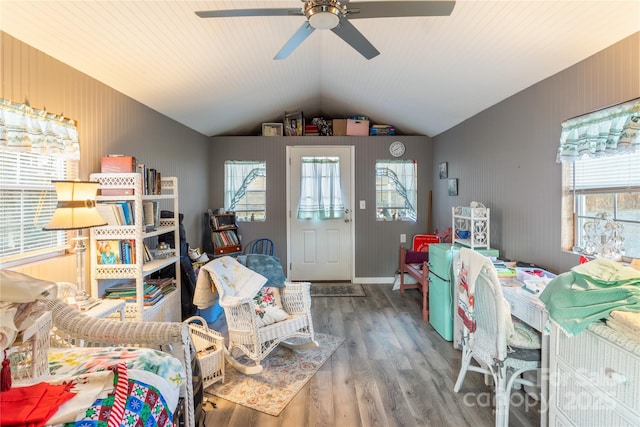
[(337, 290), (285, 373)]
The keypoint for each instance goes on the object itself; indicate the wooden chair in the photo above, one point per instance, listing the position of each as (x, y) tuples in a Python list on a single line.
[(486, 331), (415, 264)]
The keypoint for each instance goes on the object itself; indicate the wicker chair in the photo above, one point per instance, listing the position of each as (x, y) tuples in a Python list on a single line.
[(245, 337), (487, 344), (72, 328)]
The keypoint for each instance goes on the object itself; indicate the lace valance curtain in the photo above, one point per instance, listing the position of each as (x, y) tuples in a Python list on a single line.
[(613, 130), (25, 129)]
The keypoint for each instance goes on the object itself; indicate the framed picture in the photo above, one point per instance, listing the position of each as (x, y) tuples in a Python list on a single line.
[(294, 124), (453, 186), (443, 170), (272, 129)]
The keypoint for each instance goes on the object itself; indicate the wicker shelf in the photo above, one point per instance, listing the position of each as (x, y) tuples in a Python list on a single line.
[(167, 308)]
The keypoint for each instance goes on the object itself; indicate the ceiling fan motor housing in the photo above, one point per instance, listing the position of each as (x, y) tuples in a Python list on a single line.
[(324, 14)]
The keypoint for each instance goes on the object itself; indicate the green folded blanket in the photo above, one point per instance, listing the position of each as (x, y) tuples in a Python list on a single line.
[(590, 292)]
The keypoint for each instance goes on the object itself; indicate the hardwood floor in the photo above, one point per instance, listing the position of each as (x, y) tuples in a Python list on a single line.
[(392, 370)]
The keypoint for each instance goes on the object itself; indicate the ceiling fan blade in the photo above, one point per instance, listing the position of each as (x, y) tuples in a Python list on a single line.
[(347, 32), (295, 41), (396, 9), (229, 13)]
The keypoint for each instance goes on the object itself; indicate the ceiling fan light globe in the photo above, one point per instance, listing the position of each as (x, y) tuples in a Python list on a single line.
[(323, 17)]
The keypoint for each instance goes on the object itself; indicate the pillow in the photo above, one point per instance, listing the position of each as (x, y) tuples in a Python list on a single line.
[(413, 257), (523, 336), (268, 306), (21, 288)]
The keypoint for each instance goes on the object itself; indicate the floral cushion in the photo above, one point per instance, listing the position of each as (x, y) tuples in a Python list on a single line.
[(523, 336), (268, 306)]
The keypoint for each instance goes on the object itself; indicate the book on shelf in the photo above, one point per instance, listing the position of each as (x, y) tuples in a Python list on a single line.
[(108, 252), (109, 212), (151, 180), (116, 213), (151, 213), (116, 251)]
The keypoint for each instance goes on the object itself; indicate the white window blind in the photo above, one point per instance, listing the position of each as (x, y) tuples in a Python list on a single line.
[(28, 201), (614, 174)]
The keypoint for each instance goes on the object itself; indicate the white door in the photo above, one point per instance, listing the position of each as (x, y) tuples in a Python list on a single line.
[(320, 249)]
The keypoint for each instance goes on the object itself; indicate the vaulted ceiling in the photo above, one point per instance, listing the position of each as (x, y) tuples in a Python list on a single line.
[(218, 76)]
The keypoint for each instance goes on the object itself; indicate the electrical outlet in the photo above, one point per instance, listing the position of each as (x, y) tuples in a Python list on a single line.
[(403, 238), (363, 204)]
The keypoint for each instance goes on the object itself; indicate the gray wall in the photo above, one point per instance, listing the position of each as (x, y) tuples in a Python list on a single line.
[(505, 156), (376, 242), (109, 123)]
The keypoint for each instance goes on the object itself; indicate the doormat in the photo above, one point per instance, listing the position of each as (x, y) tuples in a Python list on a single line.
[(285, 372), (337, 290)]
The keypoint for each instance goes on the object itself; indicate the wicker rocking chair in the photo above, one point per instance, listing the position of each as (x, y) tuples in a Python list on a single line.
[(246, 337)]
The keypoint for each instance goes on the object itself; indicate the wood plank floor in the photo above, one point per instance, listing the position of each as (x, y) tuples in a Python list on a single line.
[(392, 370)]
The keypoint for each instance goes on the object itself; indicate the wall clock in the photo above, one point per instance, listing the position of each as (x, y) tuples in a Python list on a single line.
[(396, 149)]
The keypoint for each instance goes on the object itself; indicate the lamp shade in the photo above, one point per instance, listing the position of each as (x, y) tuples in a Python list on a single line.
[(76, 207)]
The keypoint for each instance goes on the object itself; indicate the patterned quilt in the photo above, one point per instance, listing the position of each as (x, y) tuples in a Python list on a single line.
[(144, 391)]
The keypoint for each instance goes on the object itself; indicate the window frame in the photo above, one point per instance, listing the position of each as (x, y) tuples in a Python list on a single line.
[(410, 205), (577, 189), (258, 171)]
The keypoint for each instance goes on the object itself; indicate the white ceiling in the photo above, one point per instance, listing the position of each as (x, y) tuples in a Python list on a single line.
[(218, 77)]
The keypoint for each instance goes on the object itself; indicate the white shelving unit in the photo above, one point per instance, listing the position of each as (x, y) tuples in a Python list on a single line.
[(475, 219), (168, 308)]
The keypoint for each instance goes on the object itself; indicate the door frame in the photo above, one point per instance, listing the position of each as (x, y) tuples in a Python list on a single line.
[(352, 181)]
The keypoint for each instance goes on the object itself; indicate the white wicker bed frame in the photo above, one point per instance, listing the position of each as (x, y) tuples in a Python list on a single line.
[(70, 327)]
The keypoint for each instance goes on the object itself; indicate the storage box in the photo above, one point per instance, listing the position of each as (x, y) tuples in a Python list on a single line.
[(350, 127), (272, 129), (118, 164)]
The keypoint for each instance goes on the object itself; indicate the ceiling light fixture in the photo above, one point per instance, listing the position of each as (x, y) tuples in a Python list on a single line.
[(324, 15)]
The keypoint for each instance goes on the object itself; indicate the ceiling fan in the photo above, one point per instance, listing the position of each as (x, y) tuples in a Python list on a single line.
[(334, 15)]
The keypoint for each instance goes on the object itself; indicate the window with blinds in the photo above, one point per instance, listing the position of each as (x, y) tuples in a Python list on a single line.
[(28, 200), (607, 185)]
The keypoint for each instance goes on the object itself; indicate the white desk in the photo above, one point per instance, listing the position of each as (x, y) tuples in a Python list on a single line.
[(527, 307)]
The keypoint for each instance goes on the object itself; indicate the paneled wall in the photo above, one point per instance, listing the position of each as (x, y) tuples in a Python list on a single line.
[(376, 243), (505, 155), (109, 122)]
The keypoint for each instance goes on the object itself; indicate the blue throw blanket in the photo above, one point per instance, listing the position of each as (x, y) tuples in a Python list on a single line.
[(267, 265)]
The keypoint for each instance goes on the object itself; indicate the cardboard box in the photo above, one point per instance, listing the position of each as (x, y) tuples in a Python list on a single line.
[(272, 129), (350, 127), (118, 164)]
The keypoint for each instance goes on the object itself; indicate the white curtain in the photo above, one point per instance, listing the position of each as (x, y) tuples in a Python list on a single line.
[(320, 190), (613, 130), (35, 131)]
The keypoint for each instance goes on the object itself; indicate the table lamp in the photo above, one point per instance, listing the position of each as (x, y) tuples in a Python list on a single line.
[(76, 210)]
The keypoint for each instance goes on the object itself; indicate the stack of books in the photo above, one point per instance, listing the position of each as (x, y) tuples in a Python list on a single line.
[(127, 292)]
